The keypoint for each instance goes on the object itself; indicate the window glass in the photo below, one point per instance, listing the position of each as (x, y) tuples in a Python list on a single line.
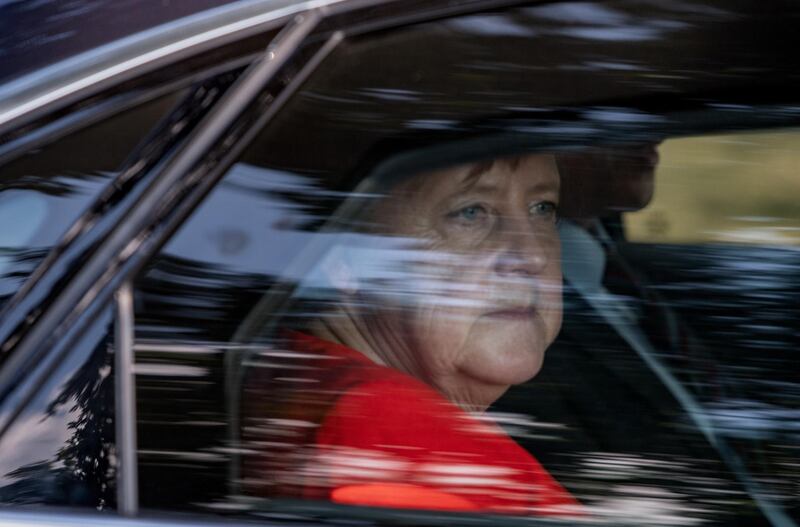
[(414, 292), (59, 450), (45, 190), (668, 388), (724, 189), (727, 263), (694, 341)]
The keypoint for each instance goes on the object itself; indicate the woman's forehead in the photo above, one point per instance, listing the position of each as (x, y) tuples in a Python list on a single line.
[(535, 172)]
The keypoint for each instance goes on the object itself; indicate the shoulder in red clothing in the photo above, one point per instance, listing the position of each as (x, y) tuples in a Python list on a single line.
[(387, 439), (388, 428)]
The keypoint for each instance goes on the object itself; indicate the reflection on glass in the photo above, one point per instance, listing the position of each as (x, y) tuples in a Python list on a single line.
[(712, 324), (60, 449), (338, 384), (725, 189), (45, 190), (40, 209), (375, 392)]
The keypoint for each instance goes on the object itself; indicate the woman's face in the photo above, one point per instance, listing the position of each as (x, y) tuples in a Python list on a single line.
[(484, 288)]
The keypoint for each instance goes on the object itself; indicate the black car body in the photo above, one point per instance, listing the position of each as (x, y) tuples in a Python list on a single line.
[(164, 172)]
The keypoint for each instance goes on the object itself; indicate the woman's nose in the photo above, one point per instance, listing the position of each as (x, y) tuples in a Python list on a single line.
[(522, 251)]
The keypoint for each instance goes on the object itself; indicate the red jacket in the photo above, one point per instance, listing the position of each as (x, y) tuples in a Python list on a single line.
[(359, 433)]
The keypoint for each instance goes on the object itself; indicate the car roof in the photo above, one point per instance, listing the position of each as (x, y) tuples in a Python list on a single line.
[(68, 62), (41, 33)]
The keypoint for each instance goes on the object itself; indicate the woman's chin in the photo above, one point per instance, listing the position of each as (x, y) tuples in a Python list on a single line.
[(506, 367), (527, 368), (512, 352)]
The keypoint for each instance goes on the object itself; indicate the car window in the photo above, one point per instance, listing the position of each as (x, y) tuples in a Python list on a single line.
[(44, 190), (59, 450), (414, 291), (744, 196), (218, 333), (725, 258)]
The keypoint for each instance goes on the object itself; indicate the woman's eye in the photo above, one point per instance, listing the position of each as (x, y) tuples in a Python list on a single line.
[(544, 209), (471, 213)]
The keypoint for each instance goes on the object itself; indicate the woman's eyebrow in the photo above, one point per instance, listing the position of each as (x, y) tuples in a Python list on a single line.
[(544, 186)]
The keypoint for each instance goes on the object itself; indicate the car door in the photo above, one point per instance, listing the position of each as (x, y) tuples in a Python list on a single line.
[(229, 218)]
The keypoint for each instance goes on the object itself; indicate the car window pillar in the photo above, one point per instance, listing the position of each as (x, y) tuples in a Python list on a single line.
[(125, 397)]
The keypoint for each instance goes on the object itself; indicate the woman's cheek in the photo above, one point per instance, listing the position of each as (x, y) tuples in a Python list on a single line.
[(442, 335)]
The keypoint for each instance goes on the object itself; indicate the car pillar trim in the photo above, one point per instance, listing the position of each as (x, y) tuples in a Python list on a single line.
[(125, 403)]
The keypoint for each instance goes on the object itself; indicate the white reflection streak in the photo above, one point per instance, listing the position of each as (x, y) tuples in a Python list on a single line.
[(467, 481), (579, 13), (648, 510), (752, 419), (463, 476), (454, 469), (758, 235), (651, 503), (333, 466), (291, 423), (514, 419), (169, 370), (492, 25), (397, 270)]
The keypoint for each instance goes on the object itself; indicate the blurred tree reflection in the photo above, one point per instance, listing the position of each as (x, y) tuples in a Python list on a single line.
[(81, 472)]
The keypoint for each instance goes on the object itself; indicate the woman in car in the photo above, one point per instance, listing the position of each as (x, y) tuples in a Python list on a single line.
[(386, 408)]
